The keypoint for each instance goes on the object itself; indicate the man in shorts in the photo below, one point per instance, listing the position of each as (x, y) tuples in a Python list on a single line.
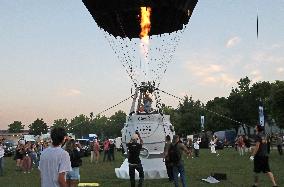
[(260, 156), (55, 161)]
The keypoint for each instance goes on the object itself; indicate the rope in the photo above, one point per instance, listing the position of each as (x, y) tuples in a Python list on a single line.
[(122, 61), (108, 109), (116, 104), (223, 116)]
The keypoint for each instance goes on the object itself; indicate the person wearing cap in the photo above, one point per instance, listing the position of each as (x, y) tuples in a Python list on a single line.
[(133, 150), (54, 161), (260, 156)]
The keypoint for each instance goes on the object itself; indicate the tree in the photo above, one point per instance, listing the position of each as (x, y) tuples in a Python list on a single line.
[(16, 127), (38, 127), (260, 96), (214, 122), (277, 103), (115, 124), (80, 125), (168, 110), (188, 117), (98, 126), (242, 105), (61, 123), (243, 85)]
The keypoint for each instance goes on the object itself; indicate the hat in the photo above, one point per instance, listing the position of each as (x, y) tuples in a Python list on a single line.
[(134, 137)]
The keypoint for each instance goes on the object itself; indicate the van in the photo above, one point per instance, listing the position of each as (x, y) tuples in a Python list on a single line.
[(227, 136), (118, 142)]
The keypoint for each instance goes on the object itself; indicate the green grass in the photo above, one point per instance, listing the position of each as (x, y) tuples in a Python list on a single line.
[(238, 170)]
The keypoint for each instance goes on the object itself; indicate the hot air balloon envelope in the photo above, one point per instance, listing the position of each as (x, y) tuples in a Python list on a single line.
[(122, 17)]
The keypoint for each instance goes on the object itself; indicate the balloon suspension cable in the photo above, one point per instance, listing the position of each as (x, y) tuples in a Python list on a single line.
[(257, 20), (169, 55), (129, 61), (116, 104), (159, 55), (211, 111), (121, 53), (125, 63), (108, 108)]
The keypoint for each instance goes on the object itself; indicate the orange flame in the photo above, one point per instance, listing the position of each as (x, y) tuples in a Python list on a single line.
[(145, 23)]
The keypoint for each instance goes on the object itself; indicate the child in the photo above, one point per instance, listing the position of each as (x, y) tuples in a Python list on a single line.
[(212, 145)]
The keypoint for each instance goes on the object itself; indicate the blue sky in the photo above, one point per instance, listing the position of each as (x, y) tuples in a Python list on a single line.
[(55, 62)]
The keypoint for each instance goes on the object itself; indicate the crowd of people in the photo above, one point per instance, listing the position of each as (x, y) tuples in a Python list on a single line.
[(59, 159), (259, 154), (27, 155), (243, 144), (109, 148)]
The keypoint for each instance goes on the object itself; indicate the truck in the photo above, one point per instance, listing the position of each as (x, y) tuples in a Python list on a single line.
[(118, 142), (227, 136), (29, 138)]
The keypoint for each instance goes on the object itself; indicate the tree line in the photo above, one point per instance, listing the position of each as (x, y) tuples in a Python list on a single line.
[(81, 125), (220, 113), (240, 107)]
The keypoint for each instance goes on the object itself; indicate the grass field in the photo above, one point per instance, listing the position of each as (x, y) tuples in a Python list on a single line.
[(237, 168)]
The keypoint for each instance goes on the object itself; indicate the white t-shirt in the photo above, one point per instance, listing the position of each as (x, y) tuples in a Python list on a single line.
[(53, 160), (196, 145), (212, 143)]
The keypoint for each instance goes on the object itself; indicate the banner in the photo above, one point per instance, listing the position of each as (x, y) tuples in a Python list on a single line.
[(261, 116), (202, 122)]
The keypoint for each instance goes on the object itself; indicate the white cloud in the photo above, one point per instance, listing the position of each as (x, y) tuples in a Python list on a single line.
[(256, 75), (267, 58), (280, 70), (70, 92), (276, 46), (233, 42), (209, 73), (203, 70)]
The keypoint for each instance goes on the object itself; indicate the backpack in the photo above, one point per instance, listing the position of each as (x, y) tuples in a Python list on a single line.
[(174, 155)]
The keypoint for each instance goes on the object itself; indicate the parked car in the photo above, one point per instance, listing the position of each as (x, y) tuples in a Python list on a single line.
[(9, 148), (219, 144), (227, 137), (118, 143), (85, 144)]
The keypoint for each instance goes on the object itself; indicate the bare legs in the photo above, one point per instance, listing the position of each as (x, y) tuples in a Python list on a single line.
[(269, 174)]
